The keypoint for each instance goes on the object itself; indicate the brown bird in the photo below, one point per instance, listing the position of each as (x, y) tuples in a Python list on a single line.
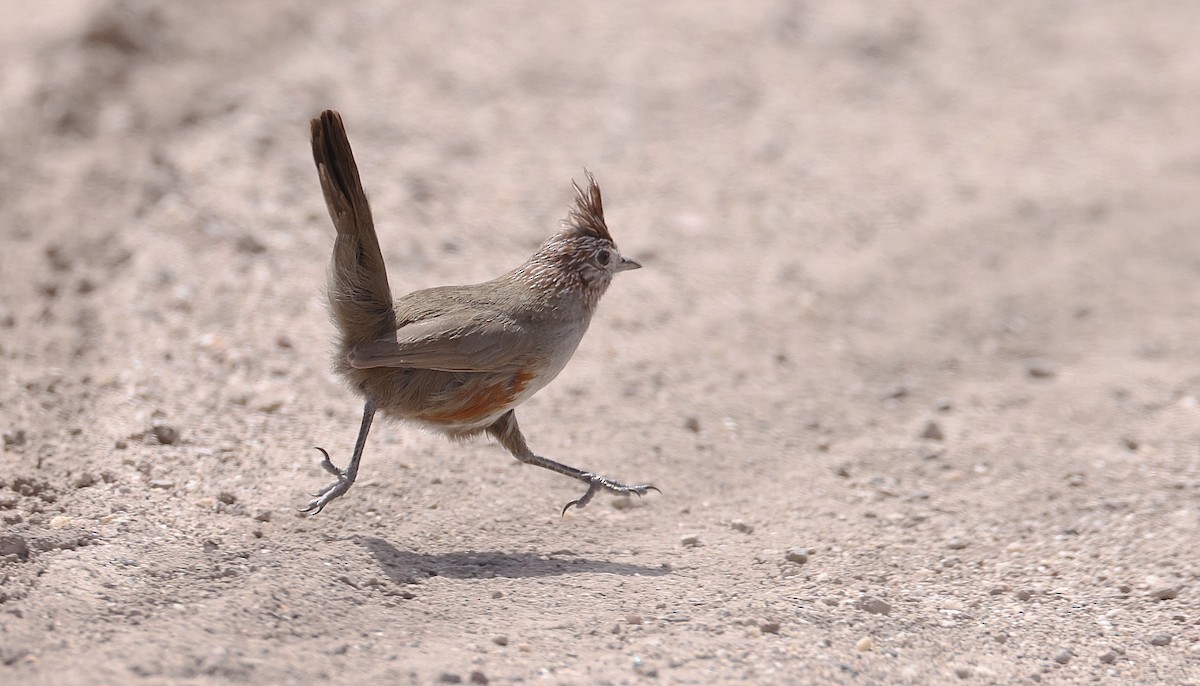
[(457, 359)]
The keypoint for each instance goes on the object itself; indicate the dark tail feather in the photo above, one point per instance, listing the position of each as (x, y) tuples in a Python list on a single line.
[(359, 297)]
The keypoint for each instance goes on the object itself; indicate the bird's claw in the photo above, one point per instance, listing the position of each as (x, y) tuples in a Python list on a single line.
[(334, 490), (598, 482), (327, 464)]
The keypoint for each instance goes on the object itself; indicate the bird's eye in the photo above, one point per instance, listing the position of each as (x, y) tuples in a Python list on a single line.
[(603, 257)]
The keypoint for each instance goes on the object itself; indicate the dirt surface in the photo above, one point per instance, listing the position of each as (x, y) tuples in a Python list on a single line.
[(914, 358)]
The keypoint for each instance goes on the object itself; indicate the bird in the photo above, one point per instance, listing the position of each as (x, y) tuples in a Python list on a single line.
[(457, 359)]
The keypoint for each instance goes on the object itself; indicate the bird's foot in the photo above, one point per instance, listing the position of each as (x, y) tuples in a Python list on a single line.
[(598, 482), (334, 490)]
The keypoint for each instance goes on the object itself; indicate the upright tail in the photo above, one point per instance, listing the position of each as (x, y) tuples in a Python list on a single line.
[(360, 300)]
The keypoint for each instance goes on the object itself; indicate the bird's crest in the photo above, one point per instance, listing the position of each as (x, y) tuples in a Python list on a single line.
[(587, 216)]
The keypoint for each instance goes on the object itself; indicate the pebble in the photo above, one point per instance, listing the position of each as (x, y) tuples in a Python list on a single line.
[(162, 483), (692, 424), (1165, 593), (742, 526), (1160, 640), (85, 479), (478, 677), (1063, 658), (165, 433), (962, 672), (864, 644), (875, 606), (690, 541), (957, 543), (1024, 595), (12, 544), (449, 678), (933, 431), (797, 555), (633, 619), (769, 627), (14, 438), (1108, 658), (1040, 368), (943, 405), (500, 640)]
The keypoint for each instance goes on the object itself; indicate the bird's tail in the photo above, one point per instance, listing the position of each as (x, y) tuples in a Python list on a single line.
[(360, 300)]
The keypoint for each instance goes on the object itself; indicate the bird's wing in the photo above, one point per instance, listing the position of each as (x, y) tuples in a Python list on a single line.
[(447, 343)]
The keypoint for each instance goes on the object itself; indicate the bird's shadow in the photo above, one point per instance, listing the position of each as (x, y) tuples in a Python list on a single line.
[(404, 567)]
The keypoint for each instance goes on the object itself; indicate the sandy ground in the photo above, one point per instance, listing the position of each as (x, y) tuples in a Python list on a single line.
[(914, 357)]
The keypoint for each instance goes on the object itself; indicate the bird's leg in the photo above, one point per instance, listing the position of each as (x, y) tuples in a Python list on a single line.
[(345, 477), (506, 431)]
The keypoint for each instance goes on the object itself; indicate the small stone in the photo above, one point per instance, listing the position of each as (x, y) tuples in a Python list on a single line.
[(769, 627), (227, 497), (59, 522), (162, 483), (1165, 593), (633, 619), (1108, 658), (12, 544), (797, 555), (166, 434), (496, 595), (252, 246), (743, 527), (1024, 595), (449, 678), (1039, 368), (957, 543), (864, 644), (943, 405), (875, 606), (842, 470), (932, 431), (998, 590), (962, 672), (692, 424), (14, 438), (1063, 658), (1160, 640), (1000, 637), (85, 479), (690, 541), (500, 640), (1130, 442), (262, 516), (478, 677)]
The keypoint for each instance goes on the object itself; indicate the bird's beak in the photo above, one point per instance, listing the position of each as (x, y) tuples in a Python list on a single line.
[(626, 264)]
